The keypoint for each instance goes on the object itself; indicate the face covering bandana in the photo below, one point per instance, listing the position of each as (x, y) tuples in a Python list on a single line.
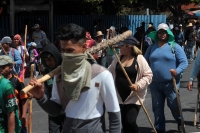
[(76, 74)]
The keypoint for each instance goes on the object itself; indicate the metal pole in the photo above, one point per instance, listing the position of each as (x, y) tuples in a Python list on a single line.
[(12, 17)]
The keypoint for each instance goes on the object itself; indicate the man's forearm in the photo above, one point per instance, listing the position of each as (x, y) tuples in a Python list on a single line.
[(49, 106), (24, 107), (11, 122)]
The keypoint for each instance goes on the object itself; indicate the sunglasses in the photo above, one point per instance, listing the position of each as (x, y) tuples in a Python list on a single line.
[(162, 32)]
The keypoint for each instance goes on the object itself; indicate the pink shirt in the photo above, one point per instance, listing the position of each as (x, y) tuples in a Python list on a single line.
[(143, 79)]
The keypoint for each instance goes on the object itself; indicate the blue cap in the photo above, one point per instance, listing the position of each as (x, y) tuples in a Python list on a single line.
[(130, 40)]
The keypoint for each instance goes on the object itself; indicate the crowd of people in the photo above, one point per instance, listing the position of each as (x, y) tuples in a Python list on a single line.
[(88, 85)]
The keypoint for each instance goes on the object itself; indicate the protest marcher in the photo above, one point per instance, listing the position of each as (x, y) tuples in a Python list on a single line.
[(33, 56), (38, 36), (195, 74), (166, 60), (18, 85), (139, 73), (190, 38), (147, 40), (179, 36), (23, 52), (10, 122), (51, 58), (84, 83), (102, 53), (109, 52), (12, 52)]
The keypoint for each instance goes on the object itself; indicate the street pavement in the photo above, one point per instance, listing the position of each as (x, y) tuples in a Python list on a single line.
[(188, 101)]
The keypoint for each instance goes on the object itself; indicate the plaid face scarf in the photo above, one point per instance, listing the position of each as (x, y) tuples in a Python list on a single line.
[(76, 74)]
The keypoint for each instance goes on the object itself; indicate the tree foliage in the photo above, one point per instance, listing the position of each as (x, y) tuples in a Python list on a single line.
[(133, 6)]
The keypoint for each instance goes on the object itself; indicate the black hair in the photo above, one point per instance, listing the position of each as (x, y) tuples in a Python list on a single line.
[(71, 31)]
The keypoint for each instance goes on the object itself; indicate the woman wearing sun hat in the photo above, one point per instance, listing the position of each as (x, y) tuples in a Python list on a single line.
[(101, 54)]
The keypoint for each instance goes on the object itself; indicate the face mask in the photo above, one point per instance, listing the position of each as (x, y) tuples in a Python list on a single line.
[(76, 74)]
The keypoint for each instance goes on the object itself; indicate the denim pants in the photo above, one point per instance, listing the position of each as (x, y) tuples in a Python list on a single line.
[(189, 50), (160, 92), (103, 61)]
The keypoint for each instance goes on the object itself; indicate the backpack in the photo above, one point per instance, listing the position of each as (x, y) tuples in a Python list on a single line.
[(21, 55), (3, 83)]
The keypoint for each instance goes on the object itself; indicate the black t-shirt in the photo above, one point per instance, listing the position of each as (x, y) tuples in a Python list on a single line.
[(121, 81)]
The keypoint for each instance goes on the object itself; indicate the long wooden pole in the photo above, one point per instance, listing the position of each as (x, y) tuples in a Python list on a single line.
[(196, 110), (24, 56), (30, 104), (134, 91), (179, 104), (94, 49)]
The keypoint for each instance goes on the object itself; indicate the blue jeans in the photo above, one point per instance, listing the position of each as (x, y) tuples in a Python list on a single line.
[(103, 61), (160, 92), (189, 50)]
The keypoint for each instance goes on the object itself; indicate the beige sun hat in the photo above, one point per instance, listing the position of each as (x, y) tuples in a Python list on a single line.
[(189, 25), (99, 33), (4, 60)]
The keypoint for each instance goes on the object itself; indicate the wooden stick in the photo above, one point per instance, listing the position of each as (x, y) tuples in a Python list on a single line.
[(134, 91), (24, 56), (141, 45), (92, 50), (196, 110), (42, 79), (30, 104), (179, 104)]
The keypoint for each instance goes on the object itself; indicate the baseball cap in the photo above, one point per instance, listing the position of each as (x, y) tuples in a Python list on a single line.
[(4, 60), (6, 39), (163, 26), (32, 44), (130, 40)]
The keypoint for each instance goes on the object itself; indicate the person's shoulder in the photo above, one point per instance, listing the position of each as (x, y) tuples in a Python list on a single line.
[(14, 79), (97, 69)]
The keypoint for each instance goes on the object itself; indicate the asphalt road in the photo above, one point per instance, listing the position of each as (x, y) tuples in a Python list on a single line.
[(188, 101)]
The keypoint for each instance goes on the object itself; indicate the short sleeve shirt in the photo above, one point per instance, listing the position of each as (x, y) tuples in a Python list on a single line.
[(10, 103)]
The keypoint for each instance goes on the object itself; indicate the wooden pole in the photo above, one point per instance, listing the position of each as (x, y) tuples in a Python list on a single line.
[(30, 104), (141, 46), (179, 104), (134, 91), (196, 110), (94, 49), (24, 56)]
